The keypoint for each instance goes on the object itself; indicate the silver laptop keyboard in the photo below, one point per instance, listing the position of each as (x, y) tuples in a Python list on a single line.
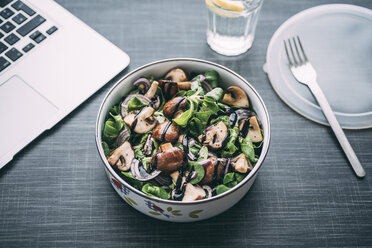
[(19, 21)]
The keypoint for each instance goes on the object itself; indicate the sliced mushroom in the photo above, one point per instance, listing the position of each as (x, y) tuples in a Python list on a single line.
[(241, 164), (141, 121), (122, 157), (167, 131), (152, 91), (174, 176), (212, 173), (193, 193), (168, 160), (215, 136), (169, 88), (236, 96), (251, 129), (173, 105), (184, 85), (176, 75)]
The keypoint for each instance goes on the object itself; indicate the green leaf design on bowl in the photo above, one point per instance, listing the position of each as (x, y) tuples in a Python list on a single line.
[(176, 212), (154, 213), (194, 213), (130, 201)]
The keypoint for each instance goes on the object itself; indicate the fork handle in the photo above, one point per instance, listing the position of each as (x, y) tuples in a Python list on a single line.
[(327, 110)]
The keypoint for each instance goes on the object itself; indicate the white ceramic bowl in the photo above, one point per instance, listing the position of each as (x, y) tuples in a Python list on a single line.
[(169, 210)]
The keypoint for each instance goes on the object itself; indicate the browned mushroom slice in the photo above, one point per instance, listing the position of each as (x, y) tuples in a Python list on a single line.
[(184, 85), (213, 171), (141, 121), (215, 136), (169, 88), (122, 157), (254, 131), (167, 131), (176, 75), (173, 105), (193, 193), (241, 164), (236, 96), (168, 160)]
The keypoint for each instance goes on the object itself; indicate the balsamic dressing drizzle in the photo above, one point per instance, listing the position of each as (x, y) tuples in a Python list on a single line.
[(134, 123), (177, 106), (245, 129), (215, 172), (165, 130), (179, 190), (154, 165)]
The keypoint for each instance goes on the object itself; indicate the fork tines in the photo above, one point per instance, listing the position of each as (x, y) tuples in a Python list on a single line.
[(295, 56)]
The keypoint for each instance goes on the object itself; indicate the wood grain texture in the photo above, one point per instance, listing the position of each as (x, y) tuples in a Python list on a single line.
[(55, 192)]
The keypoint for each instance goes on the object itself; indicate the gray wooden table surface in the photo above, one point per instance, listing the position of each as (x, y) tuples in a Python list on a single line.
[(55, 192)]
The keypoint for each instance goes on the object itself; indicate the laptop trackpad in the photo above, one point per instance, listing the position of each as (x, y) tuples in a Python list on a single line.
[(24, 113)]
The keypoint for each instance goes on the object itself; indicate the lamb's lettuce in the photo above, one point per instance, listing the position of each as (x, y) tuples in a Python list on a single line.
[(136, 103), (153, 190), (246, 146), (212, 78)]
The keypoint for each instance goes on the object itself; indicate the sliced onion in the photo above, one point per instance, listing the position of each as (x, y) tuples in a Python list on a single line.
[(212, 154), (206, 163), (191, 156), (194, 174), (124, 104), (142, 176), (227, 167), (244, 113), (122, 137), (156, 102), (143, 84), (208, 189), (206, 86)]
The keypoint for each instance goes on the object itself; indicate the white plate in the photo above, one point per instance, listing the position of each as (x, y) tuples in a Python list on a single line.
[(338, 41)]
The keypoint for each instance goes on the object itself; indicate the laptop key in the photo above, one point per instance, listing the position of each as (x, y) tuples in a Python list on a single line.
[(3, 63), (13, 54), (3, 47), (4, 3), (28, 47), (52, 30), (34, 35), (40, 38), (1, 35), (31, 25), (19, 18), (7, 27), (19, 5), (11, 39), (6, 13)]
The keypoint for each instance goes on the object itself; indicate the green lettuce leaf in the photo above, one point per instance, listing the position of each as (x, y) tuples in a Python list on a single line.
[(136, 103), (156, 191), (246, 146)]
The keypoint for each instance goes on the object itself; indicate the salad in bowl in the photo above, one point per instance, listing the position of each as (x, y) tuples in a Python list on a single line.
[(183, 136)]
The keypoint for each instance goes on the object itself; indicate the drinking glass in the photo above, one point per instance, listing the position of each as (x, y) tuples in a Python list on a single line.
[(232, 25)]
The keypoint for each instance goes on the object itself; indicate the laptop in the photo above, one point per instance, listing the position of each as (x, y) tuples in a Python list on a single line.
[(50, 62)]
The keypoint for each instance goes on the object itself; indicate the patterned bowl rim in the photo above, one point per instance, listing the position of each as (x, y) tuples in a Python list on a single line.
[(138, 192)]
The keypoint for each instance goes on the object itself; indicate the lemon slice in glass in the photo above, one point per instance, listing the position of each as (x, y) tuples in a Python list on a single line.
[(230, 4), (226, 8)]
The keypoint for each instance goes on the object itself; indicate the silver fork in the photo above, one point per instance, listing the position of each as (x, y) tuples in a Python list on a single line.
[(305, 73)]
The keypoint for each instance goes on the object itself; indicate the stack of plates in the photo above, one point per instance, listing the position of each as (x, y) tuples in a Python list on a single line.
[(338, 41)]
